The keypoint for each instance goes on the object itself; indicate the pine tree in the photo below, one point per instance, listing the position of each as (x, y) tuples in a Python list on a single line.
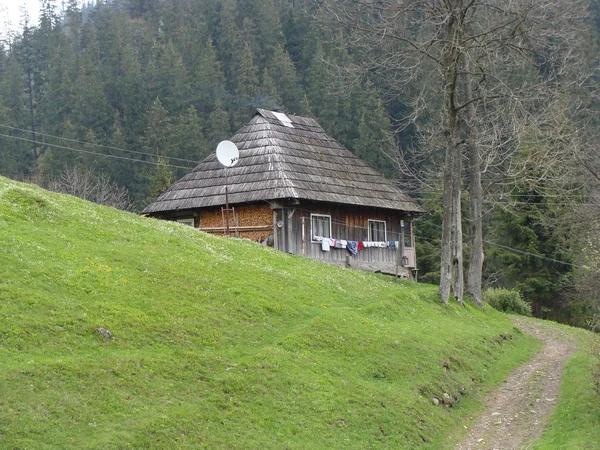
[(16, 158), (188, 140), (269, 33), (158, 141), (246, 86), (208, 81), (53, 160), (374, 142), (286, 81), (91, 109), (219, 127), (228, 39), (169, 79), (268, 96)]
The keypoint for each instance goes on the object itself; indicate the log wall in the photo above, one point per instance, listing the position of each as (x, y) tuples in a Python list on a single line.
[(254, 222)]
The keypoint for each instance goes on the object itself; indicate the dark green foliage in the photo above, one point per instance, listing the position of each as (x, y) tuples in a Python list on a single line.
[(98, 72), (506, 300), (535, 267)]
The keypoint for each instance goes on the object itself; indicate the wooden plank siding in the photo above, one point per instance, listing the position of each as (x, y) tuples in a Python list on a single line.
[(346, 223), (283, 222)]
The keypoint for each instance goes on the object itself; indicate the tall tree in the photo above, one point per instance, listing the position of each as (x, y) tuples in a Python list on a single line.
[(208, 80), (247, 85), (169, 78), (287, 82), (404, 40), (218, 126)]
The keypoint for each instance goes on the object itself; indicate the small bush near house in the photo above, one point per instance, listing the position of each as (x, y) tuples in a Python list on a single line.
[(507, 300)]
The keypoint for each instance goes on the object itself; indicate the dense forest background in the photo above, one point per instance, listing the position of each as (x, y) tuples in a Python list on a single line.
[(130, 94)]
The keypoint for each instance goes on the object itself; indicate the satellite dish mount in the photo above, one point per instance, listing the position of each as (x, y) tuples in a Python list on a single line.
[(228, 155)]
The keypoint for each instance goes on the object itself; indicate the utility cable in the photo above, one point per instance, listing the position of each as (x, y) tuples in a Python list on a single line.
[(97, 153), (92, 144)]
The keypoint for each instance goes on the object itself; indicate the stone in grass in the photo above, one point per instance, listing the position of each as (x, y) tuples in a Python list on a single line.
[(104, 332), (448, 399), (435, 401)]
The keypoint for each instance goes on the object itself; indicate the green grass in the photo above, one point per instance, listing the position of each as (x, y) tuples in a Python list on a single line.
[(576, 420), (221, 343)]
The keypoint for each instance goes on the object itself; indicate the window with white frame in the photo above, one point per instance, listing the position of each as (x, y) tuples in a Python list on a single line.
[(188, 221), (320, 225), (377, 231)]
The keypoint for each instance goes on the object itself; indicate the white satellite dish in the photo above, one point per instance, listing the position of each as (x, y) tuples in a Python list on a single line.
[(228, 153)]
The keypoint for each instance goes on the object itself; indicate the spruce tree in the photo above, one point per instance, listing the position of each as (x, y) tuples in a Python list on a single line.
[(218, 127), (246, 87)]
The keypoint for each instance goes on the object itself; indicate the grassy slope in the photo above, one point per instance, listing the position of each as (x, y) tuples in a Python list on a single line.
[(220, 343)]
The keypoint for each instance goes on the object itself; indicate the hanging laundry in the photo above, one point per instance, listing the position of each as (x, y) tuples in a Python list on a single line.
[(380, 244), (391, 244), (332, 242), (338, 244), (317, 238), (344, 243), (352, 247), (326, 244), (360, 246)]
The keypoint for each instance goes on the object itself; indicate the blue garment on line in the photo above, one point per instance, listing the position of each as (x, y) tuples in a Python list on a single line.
[(391, 244), (352, 247)]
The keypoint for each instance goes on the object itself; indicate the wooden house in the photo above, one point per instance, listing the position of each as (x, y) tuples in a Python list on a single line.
[(296, 188)]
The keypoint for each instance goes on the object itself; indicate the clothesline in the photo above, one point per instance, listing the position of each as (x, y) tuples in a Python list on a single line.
[(352, 246)]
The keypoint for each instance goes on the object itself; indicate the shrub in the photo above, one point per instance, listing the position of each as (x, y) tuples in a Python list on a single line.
[(507, 300)]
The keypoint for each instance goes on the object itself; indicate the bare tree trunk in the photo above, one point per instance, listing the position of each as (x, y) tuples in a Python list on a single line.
[(446, 253), (476, 257), (32, 117), (457, 242), (451, 271)]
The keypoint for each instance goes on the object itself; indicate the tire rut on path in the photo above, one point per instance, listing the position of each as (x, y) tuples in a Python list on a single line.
[(517, 412)]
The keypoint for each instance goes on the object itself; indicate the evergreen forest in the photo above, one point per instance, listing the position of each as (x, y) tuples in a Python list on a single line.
[(116, 99)]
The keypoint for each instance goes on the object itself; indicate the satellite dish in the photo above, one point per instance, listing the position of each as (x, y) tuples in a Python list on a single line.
[(228, 153)]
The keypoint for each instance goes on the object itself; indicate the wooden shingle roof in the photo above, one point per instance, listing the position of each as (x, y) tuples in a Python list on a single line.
[(284, 157)]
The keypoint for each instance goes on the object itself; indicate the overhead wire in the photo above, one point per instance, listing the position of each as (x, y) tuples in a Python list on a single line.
[(99, 154), (395, 233), (93, 144), (305, 210)]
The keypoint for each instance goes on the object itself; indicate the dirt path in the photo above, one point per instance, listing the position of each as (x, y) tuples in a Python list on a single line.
[(517, 412)]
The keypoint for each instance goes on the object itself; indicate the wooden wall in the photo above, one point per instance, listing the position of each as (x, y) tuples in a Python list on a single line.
[(348, 224), (257, 222), (253, 222)]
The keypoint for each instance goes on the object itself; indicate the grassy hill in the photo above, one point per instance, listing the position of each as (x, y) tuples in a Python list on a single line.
[(221, 343)]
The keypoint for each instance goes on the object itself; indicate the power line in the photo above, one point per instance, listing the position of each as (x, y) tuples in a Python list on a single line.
[(515, 250), (92, 144), (97, 153), (523, 252)]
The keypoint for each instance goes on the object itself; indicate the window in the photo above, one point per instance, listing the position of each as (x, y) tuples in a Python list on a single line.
[(377, 230), (408, 242), (188, 221), (320, 225)]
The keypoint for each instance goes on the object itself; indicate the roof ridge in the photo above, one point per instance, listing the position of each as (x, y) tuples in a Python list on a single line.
[(281, 158)]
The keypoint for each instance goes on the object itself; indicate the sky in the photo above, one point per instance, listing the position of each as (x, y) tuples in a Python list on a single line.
[(10, 14)]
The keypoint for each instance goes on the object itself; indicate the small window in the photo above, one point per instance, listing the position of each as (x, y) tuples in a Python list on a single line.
[(377, 230), (408, 241), (188, 221), (320, 225)]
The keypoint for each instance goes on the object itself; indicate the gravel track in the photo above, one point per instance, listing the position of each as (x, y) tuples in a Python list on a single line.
[(517, 412)]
